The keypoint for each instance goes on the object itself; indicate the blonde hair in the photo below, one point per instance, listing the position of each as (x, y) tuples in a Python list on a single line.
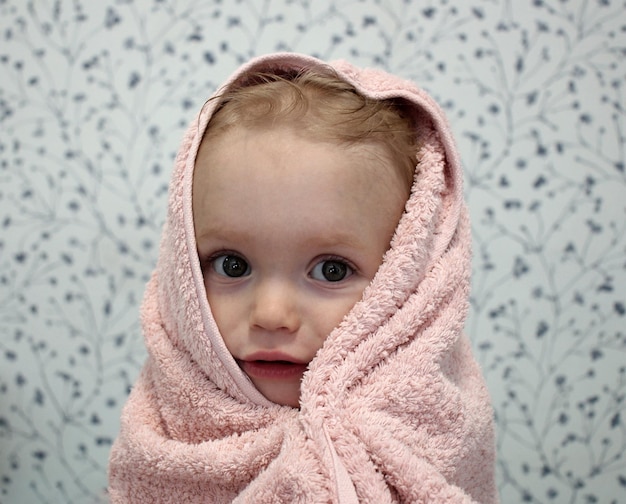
[(323, 107)]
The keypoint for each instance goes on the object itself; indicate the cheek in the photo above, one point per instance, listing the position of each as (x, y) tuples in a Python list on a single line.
[(225, 316)]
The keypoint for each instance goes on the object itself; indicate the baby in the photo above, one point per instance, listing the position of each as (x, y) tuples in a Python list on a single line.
[(298, 187), (304, 322)]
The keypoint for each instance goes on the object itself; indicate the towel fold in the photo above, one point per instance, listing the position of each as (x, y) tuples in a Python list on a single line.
[(393, 406)]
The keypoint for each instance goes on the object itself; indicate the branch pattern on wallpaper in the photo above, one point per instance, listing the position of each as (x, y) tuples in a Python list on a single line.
[(94, 98)]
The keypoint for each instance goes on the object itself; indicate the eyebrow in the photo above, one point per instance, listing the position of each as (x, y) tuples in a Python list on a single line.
[(227, 233), (218, 232)]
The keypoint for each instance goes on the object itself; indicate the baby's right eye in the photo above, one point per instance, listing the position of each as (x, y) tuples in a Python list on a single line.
[(230, 265)]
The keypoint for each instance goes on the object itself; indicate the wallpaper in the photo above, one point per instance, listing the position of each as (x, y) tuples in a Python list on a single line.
[(94, 98)]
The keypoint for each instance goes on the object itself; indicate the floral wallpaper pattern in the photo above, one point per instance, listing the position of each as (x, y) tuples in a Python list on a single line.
[(94, 97)]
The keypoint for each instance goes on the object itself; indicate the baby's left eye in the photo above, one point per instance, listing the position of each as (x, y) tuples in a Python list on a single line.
[(331, 270)]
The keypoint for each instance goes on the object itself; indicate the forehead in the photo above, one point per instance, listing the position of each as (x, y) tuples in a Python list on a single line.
[(324, 107), (283, 154), (277, 178)]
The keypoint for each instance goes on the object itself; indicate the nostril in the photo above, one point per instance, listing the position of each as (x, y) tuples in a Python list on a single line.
[(275, 306)]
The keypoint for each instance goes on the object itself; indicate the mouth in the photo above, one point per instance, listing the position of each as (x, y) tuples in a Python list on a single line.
[(274, 367)]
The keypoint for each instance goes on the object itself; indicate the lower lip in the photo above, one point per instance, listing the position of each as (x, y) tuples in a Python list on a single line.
[(274, 370)]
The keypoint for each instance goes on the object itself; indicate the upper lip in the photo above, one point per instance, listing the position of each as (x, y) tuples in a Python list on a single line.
[(272, 356)]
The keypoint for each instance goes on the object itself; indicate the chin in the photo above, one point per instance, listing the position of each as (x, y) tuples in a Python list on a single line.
[(285, 394)]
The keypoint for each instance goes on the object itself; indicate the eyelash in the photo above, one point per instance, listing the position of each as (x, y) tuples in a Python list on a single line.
[(207, 262), (336, 259)]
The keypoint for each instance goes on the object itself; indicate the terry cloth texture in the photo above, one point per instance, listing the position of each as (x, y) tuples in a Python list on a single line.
[(393, 407)]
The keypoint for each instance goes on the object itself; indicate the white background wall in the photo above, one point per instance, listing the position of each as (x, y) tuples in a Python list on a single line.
[(94, 97)]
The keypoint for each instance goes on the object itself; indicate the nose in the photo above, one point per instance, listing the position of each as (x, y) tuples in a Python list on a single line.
[(275, 307)]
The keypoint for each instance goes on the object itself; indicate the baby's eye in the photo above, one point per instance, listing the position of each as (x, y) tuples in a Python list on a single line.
[(230, 265), (331, 270)]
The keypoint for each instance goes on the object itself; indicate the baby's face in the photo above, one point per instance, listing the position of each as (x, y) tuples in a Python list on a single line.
[(289, 233)]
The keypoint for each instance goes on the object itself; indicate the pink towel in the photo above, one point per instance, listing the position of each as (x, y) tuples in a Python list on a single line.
[(393, 407)]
